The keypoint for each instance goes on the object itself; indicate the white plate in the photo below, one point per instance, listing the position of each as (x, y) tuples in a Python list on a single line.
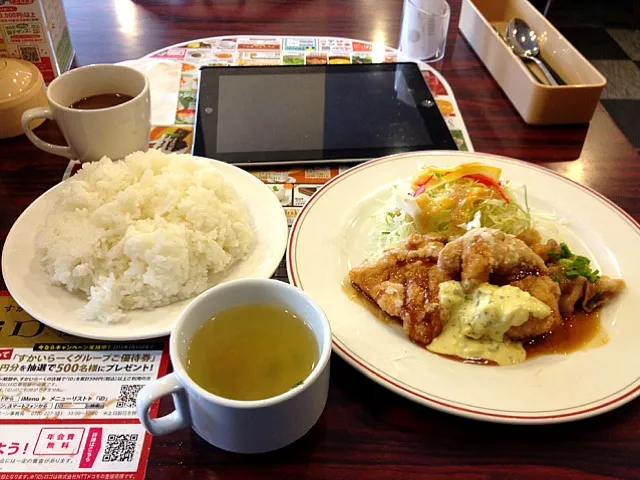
[(331, 235), (59, 309)]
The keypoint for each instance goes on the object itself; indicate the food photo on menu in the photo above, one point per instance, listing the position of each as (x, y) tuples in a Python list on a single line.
[(235, 214)]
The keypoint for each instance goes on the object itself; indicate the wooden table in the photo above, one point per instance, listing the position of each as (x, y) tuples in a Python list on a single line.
[(366, 431)]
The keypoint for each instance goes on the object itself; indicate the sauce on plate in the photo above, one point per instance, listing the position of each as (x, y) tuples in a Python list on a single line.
[(361, 299), (580, 332)]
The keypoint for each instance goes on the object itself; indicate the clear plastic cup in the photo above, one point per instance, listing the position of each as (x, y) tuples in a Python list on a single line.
[(424, 29)]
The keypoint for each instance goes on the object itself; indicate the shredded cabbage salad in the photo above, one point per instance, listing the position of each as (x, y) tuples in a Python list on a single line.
[(394, 221), (508, 217), (392, 225)]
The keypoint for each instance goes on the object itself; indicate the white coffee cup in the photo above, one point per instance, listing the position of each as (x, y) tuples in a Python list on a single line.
[(91, 134), (254, 426)]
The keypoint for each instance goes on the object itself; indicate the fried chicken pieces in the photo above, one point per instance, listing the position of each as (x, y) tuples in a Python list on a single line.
[(547, 291), (575, 292), (404, 282), (491, 256)]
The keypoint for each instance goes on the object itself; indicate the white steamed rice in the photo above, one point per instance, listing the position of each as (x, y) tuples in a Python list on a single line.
[(143, 232)]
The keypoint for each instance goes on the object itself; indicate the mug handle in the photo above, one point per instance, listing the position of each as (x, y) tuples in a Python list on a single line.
[(179, 418), (44, 112)]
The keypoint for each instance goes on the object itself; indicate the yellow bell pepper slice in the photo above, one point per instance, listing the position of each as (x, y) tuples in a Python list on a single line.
[(432, 177)]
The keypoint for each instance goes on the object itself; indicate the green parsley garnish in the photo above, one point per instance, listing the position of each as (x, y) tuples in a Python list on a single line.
[(575, 265), (580, 266), (563, 253)]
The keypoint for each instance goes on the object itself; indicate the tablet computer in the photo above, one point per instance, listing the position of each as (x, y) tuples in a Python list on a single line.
[(315, 114)]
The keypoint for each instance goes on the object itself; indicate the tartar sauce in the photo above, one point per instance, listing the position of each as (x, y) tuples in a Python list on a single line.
[(475, 322)]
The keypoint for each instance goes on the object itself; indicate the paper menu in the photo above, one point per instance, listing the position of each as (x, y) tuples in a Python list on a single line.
[(67, 404)]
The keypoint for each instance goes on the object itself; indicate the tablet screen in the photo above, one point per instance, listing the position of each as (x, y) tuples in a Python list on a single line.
[(264, 114)]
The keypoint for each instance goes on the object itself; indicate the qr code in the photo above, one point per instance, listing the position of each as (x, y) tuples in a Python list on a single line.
[(120, 448), (30, 54), (127, 397)]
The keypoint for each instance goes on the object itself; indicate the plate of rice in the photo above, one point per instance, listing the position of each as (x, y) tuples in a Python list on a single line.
[(117, 251)]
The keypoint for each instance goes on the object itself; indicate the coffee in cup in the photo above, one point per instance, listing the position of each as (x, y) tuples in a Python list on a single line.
[(102, 100), (102, 110)]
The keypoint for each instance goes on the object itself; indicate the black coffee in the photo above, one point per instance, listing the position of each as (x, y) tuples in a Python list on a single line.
[(104, 100)]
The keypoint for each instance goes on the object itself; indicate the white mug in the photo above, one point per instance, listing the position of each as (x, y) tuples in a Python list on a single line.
[(91, 134), (254, 426)]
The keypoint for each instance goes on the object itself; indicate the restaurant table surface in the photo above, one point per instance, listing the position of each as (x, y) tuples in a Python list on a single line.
[(366, 431)]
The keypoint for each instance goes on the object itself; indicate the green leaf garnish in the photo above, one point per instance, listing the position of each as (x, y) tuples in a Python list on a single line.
[(581, 266), (575, 265), (563, 253)]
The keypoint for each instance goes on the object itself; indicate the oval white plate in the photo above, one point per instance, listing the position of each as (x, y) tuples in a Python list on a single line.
[(331, 234), (59, 309)]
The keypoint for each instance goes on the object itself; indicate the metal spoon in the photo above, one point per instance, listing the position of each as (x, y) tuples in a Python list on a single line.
[(524, 42)]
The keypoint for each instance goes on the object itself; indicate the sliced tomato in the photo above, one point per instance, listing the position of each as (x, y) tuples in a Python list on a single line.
[(489, 182), (423, 181)]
